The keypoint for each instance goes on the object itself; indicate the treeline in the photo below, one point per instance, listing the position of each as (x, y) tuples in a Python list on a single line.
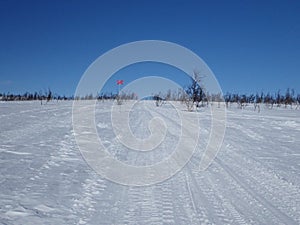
[(289, 98), (109, 96), (193, 96), (48, 96)]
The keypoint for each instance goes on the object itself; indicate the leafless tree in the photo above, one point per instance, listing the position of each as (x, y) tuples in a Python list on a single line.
[(194, 92)]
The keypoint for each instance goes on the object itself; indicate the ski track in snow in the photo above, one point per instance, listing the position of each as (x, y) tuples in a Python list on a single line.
[(45, 180)]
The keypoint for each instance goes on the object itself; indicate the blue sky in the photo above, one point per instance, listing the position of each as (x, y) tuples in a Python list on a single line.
[(249, 45)]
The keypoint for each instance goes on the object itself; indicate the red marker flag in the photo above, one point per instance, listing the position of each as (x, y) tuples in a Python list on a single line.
[(119, 82)]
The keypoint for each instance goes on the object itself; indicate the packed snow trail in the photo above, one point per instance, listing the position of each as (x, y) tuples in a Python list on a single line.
[(44, 179)]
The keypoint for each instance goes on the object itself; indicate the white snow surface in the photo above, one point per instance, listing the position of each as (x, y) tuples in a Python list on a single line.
[(255, 178)]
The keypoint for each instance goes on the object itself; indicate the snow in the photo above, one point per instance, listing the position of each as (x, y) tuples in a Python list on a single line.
[(255, 178)]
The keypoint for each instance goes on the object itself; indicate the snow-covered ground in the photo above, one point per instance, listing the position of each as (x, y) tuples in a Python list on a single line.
[(255, 178)]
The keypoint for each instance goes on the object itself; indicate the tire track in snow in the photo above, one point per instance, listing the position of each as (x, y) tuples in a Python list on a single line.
[(227, 208), (276, 212), (265, 180), (49, 180), (269, 185), (226, 204), (199, 191), (184, 212), (167, 204), (142, 206), (84, 206), (243, 203), (217, 204), (212, 210), (133, 201), (196, 212)]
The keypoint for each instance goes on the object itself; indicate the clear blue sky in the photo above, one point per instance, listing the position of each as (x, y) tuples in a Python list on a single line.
[(249, 45)]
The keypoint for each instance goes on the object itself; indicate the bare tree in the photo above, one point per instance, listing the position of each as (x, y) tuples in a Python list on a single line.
[(194, 92), (298, 101), (49, 96)]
